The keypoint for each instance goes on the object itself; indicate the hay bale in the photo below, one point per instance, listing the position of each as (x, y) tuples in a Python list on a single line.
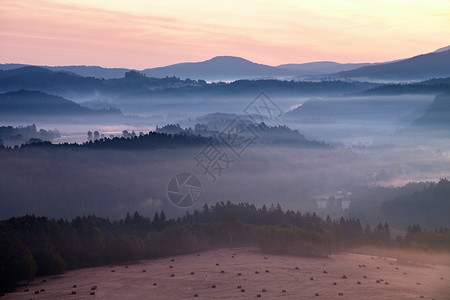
[(92, 294), (74, 286), (222, 271), (341, 294), (196, 295), (283, 291), (242, 290), (172, 275), (297, 268), (73, 292), (334, 283), (325, 272), (263, 290), (316, 294), (213, 286), (155, 283), (192, 273), (36, 292), (311, 278)]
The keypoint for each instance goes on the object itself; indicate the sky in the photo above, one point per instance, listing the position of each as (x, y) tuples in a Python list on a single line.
[(143, 34)]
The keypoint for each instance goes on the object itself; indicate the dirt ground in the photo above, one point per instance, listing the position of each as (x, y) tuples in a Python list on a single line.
[(342, 276)]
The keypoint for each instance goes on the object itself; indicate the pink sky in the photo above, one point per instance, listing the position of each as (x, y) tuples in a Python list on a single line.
[(142, 34)]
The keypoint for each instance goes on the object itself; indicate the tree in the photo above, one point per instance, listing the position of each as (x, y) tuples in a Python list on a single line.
[(16, 262)]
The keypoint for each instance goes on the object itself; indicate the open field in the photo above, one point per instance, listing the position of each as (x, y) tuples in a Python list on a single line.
[(355, 276)]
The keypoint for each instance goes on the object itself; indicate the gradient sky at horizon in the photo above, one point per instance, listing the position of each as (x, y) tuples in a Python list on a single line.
[(145, 33)]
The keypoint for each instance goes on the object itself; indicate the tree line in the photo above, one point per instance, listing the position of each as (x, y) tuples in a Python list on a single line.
[(34, 246)]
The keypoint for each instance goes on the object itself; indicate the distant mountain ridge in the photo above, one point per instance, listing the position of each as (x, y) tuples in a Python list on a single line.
[(322, 67), (442, 49), (85, 71), (225, 68), (230, 68), (421, 67), (135, 86), (219, 68)]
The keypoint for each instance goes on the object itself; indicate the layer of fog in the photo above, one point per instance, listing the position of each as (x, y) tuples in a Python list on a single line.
[(71, 182), (349, 121), (369, 149)]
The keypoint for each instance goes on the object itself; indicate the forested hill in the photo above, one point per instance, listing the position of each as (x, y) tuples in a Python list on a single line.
[(151, 140), (429, 207), (136, 85), (33, 246)]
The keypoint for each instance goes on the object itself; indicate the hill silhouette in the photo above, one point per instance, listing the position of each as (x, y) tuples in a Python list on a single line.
[(36, 103), (421, 67), (219, 68), (321, 67), (437, 113)]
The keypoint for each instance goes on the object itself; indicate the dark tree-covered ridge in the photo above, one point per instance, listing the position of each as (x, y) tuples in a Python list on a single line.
[(32, 246)]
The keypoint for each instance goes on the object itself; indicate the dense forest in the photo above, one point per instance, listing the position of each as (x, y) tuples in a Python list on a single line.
[(129, 141), (33, 246), (12, 136), (429, 206)]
